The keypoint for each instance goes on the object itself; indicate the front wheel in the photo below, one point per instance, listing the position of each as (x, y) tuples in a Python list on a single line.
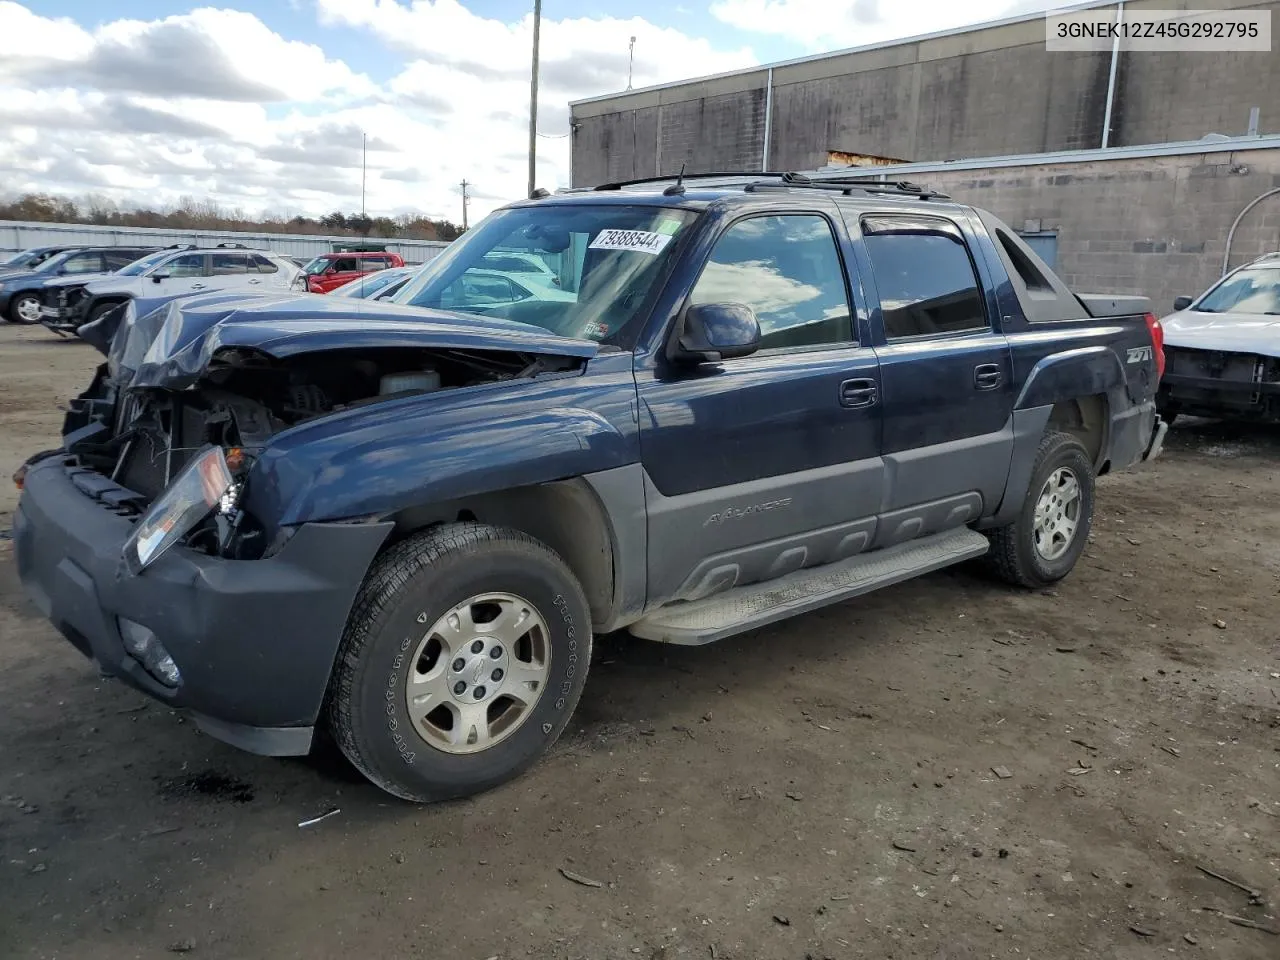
[(463, 659), (25, 308), (1044, 543)]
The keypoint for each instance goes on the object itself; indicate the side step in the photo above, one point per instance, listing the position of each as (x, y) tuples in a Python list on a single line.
[(749, 607)]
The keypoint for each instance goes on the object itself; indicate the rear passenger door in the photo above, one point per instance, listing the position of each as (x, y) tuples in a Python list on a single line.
[(946, 376), (765, 464), (268, 273), (233, 271)]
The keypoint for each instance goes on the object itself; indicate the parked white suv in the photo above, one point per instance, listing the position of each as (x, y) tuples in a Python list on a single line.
[(71, 302)]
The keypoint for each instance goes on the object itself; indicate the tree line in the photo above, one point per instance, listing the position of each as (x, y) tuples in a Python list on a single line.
[(192, 214)]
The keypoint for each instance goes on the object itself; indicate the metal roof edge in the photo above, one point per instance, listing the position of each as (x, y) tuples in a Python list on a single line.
[(213, 235), (1172, 149), (863, 48)]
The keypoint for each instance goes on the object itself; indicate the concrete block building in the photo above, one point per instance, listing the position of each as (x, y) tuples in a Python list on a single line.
[(1103, 152)]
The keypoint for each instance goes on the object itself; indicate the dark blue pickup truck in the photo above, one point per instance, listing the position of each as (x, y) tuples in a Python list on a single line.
[(739, 399)]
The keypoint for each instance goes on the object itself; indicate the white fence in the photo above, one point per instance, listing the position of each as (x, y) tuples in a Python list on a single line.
[(22, 235)]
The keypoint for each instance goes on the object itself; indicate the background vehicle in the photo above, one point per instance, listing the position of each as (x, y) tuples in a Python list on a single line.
[(32, 257), (70, 302), (748, 399), (1224, 348), (374, 284), (522, 266), (20, 292), (331, 270)]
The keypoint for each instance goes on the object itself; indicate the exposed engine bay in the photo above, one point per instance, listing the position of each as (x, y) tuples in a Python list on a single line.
[(140, 439)]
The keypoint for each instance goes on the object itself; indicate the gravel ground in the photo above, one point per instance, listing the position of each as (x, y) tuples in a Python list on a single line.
[(948, 768)]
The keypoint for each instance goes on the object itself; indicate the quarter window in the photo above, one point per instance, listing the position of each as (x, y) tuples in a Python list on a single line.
[(925, 277), (786, 269)]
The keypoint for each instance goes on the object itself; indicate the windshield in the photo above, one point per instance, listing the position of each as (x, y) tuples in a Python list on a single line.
[(605, 260), (146, 263), (318, 265), (29, 259), (367, 286), (1252, 290)]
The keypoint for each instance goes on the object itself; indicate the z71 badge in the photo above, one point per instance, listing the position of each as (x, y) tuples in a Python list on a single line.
[(1138, 354)]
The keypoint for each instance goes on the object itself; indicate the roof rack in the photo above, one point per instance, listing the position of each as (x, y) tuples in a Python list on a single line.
[(711, 175), (849, 185), (780, 181)]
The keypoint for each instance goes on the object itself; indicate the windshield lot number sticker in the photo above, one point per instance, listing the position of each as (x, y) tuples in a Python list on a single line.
[(637, 241)]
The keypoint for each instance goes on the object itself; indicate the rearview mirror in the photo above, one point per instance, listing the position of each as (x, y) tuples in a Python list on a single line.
[(712, 332), (1181, 303), (157, 277)]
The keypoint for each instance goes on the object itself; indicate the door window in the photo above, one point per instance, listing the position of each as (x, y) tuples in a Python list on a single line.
[(115, 259), (787, 269), (187, 265), (346, 265), (229, 264), (263, 264), (925, 277), (82, 263)]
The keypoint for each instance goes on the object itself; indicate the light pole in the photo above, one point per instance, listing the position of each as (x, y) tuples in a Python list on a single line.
[(364, 168), (631, 60), (533, 98)]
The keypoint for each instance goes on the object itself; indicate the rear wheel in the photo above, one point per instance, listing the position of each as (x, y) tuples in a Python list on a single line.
[(1044, 543), (462, 661), (25, 308), (101, 310)]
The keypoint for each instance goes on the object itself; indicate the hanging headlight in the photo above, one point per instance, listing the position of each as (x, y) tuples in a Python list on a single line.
[(197, 491)]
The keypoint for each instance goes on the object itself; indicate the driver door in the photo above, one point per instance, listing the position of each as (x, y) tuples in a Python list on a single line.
[(759, 466), (186, 273)]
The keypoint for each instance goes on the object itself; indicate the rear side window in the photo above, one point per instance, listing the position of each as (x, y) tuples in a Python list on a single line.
[(263, 265), (786, 269), (925, 277), (229, 264)]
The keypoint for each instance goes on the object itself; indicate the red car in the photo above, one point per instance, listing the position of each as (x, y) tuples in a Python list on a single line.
[(331, 270)]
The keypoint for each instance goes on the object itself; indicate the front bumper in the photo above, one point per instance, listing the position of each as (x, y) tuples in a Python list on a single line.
[(255, 640)]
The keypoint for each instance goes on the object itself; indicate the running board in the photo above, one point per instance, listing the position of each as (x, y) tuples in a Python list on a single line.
[(749, 607)]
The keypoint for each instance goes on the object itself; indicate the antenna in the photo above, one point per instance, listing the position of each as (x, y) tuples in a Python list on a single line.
[(677, 188)]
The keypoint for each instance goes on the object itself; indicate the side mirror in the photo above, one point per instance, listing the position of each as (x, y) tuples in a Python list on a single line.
[(157, 277), (1181, 303), (712, 332)]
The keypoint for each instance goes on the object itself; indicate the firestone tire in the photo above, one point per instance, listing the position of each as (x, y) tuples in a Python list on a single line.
[(1034, 550), (405, 635)]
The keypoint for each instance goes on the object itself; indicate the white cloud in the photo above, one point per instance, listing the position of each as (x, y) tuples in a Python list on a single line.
[(214, 104), (827, 24)]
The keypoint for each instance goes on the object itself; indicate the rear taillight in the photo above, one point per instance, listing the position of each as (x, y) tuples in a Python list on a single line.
[(1157, 343)]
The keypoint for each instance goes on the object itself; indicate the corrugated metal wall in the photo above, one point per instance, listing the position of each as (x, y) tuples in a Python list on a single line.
[(20, 235)]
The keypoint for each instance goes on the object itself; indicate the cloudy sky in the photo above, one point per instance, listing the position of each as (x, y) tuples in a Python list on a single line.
[(260, 104)]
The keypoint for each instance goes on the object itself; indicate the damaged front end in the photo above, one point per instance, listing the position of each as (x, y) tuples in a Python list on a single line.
[(194, 390), (1234, 385)]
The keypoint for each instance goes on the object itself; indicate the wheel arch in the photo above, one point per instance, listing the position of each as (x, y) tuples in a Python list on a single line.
[(566, 515), (1088, 419)]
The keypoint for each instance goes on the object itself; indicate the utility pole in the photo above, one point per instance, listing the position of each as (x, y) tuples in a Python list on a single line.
[(364, 169), (533, 98), (631, 60), (464, 206)]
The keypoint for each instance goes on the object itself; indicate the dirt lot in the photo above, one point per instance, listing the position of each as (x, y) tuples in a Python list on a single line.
[(820, 789)]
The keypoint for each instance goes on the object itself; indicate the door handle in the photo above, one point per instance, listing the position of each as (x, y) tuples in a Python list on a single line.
[(197, 286), (255, 281), (857, 393), (986, 376)]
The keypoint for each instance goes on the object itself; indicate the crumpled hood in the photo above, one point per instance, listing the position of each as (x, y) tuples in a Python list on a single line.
[(77, 279), (170, 342), (1232, 332)]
